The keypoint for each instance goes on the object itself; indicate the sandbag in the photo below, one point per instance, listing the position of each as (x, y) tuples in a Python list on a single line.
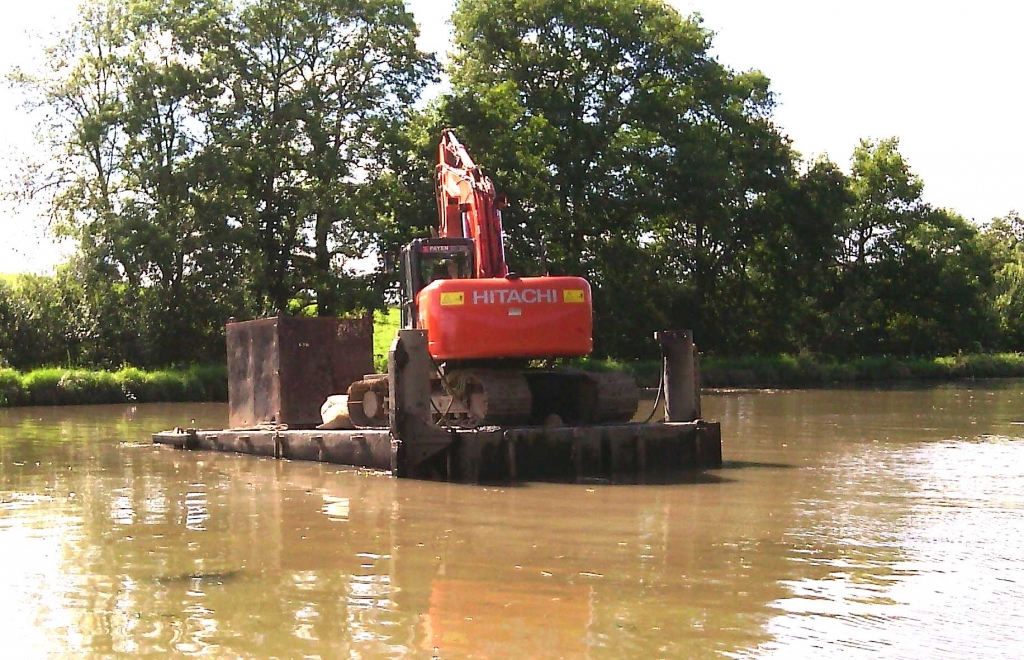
[(334, 412)]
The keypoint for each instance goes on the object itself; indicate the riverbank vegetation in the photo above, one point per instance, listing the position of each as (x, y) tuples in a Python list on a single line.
[(216, 159), (787, 371), (55, 386)]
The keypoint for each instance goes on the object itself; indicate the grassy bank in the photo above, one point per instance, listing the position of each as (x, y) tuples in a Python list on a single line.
[(60, 387), (57, 386), (790, 371)]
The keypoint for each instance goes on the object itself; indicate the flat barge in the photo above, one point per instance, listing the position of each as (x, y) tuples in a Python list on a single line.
[(267, 356), (621, 453)]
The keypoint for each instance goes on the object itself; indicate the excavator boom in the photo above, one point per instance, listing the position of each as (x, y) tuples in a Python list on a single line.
[(467, 206)]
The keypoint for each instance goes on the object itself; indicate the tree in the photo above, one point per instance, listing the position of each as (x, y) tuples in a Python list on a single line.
[(887, 201), (915, 279), (1003, 239), (795, 267), (39, 324), (213, 162), (632, 156), (315, 89), (125, 93)]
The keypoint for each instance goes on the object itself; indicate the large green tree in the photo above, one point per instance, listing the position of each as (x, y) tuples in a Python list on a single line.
[(124, 93), (1003, 239), (793, 270), (213, 159), (913, 279), (314, 88), (632, 155)]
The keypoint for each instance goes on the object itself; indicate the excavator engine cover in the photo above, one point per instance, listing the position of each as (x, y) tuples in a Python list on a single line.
[(529, 317)]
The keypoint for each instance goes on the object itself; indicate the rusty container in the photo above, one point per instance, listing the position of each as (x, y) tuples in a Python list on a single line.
[(281, 370)]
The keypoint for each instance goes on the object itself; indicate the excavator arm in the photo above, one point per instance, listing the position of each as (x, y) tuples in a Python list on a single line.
[(467, 206)]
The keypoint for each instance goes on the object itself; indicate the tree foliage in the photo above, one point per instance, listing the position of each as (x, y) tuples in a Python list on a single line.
[(1003, 241), (619, 135), (314, 88), (215, 158)]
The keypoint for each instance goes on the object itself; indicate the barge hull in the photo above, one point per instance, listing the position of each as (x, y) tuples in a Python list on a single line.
[(620, 453), (367, 449)]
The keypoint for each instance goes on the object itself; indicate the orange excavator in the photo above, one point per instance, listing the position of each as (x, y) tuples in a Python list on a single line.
[(485, 324)]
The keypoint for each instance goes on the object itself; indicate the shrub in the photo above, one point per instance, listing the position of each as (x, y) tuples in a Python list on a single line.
[(41, 387), (10, 387), (55, 387)]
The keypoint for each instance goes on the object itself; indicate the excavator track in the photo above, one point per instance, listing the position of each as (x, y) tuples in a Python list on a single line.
[(466, 397), (487, 396), (617, 397), (470, 398), (577, 397)]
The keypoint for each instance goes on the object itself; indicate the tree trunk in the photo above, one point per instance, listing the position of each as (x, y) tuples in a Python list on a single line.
[(326, 301)]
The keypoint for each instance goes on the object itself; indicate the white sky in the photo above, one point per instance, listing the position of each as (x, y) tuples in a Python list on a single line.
[(946, 77)]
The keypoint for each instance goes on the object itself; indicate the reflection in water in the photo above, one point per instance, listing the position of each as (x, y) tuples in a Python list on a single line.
[(951, 571), (195, 507), (862, 523), (481, 619)]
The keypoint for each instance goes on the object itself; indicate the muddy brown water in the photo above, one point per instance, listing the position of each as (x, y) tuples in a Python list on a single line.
[(853, 524)]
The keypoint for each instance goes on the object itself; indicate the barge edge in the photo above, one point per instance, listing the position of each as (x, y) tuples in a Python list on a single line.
[(619, 453)]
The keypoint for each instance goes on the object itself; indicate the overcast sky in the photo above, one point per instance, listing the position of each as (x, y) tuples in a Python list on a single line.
[(946, 78)]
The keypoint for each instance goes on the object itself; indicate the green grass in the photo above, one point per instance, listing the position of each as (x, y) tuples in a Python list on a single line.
[(789, 371), (62, 387), (385, 327)]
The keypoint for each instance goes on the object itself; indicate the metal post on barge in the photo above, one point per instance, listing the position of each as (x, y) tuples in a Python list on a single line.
[(679, 375)]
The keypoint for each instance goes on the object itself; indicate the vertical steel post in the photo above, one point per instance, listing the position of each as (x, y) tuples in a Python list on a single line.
[(682, 397), (409, 418)]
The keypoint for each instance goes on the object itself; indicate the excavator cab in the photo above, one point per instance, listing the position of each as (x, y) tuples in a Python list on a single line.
[(426, 260)]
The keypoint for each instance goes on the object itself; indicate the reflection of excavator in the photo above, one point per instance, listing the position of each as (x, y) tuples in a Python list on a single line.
[(484, 324)]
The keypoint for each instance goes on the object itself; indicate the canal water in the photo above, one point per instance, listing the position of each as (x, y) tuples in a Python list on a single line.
[(845, 523)]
